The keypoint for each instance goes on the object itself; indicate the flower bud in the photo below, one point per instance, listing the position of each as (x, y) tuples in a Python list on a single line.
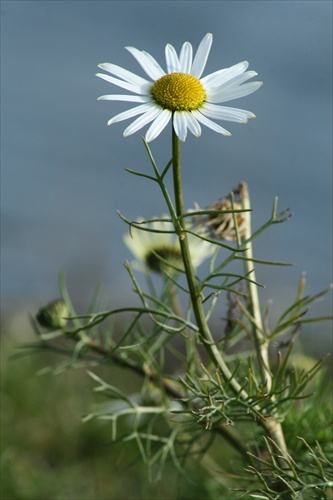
[(53, 315)]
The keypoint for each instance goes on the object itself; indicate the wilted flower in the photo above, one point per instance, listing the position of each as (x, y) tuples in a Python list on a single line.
[(222, 225), (180, 92), (158, 251)]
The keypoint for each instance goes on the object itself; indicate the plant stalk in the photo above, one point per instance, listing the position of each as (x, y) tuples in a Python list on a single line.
[(195, 294), (261, 342), (272, 426)]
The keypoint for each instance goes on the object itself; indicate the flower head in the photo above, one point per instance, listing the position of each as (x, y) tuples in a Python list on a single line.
[(180, 93), (221, 225), (160, 250)]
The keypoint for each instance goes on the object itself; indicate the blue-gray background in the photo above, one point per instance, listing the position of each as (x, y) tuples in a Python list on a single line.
[(63, 172)]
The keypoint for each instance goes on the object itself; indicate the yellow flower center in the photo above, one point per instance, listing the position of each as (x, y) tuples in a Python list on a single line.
[(178, 92), (157, 259)]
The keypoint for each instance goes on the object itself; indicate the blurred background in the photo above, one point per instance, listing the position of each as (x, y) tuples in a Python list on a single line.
[(63, 172), (63, 176)]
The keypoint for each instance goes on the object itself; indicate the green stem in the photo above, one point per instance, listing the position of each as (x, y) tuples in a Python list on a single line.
[(195, 293), (272, 426), (177, 176)]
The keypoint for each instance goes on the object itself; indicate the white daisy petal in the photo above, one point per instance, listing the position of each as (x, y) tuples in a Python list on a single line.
[(158, 125), (172, 61), (212, 79), (179, 124), (212, 125), (220, 77), (154, 63), (235, 93), (193, 125), (224, 113), (130, 113), (233, 82), (201, 56), (185, 58), (146, 246), (122, 73), (147, 63), (120, 83), (127, 98), (239, 79), (143, 120), (180, 92)]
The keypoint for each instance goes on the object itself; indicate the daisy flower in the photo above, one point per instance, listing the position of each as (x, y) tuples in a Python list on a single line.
[(180, 93), (155, 250)]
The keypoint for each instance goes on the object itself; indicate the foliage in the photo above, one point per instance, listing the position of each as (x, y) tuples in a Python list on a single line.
[(203, 391)]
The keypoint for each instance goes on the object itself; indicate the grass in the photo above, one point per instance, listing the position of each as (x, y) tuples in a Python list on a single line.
[(48, 453)]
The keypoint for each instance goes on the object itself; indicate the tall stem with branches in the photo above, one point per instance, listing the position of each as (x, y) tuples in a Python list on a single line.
[(272, 426)]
